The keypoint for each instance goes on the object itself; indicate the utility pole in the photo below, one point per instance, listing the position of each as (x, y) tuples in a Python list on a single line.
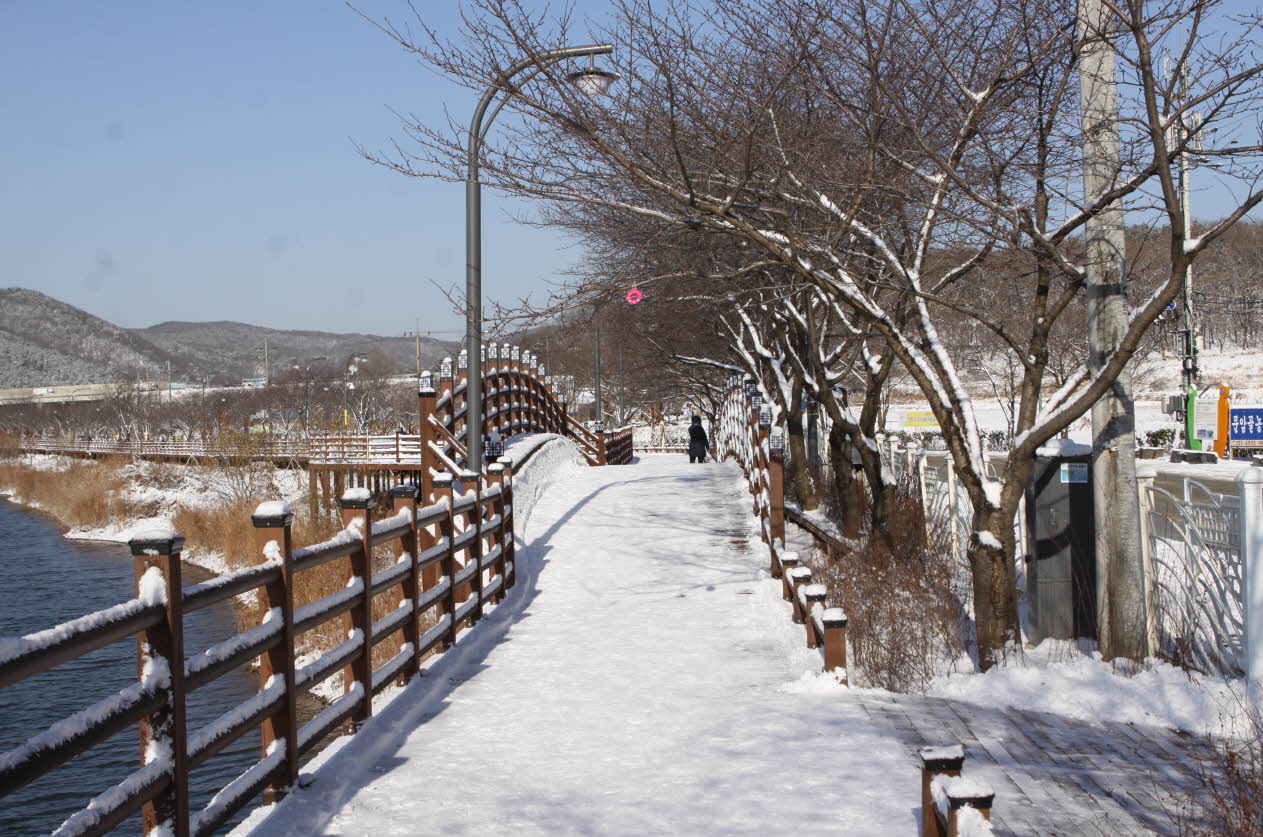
[(267, 366), (622, 385), (418, 334), (596, 350), (1189, 373), (1120, 587)]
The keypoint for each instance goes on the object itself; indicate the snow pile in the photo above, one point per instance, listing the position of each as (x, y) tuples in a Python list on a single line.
[(1063, 447), (1055, 677)]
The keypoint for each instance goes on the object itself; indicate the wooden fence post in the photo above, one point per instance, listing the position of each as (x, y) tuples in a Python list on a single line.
[(495, 477), (798, 577), (776, 487), (833, 620), (448, 565), (164, 733), (936, 761), (357, 512), (510, 547), (471, 483), (273, 533), (405, 497), (815, 595), (788, 562)]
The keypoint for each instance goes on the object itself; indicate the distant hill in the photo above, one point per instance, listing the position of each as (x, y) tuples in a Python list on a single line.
[(46, 342), (236, 349)]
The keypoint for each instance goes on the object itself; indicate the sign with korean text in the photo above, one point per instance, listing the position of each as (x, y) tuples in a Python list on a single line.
[(920, 420), (1074, 472), (1205, 422), (1245, 427)]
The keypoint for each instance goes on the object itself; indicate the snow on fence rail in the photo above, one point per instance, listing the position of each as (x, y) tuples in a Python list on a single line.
[(456, 554)]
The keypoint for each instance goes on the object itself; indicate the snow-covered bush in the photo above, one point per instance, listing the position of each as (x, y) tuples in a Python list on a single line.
[(906, 602)]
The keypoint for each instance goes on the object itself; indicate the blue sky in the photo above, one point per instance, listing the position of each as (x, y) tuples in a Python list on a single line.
[(195, 161)]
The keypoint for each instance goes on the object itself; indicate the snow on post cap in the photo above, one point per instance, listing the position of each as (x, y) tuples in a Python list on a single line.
[(816, 592), (357, 498), (949, 757), (803, 573), (967, 791), (789, 559), (833, 617), (272, 514), (1063, 447), (156, 542)]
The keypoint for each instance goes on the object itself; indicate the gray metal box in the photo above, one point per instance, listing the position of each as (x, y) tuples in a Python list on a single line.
[(1061, 569)]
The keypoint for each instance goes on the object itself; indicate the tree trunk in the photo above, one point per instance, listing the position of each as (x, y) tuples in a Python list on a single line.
[(800, 471), (992, 567), (844, 485)]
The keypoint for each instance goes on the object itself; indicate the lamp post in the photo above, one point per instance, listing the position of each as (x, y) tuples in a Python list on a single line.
[(591, 82)]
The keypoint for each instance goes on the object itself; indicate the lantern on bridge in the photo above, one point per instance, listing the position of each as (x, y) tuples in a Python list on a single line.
[(493, 449), (751, 387), (445, 369), (548, 379), (462, 360), (534, 362), (756, 400), (517, 354), (425, 380), (526, 359), (492, 351), (482, 354), (776, 441), (504, 353), (765, 418)]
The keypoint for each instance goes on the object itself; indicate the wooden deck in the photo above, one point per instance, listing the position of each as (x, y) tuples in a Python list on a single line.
[(1053, 775)]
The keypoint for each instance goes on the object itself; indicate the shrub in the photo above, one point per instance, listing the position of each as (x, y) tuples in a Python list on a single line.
[(905, 602), (1224, 795), (1163, 437)]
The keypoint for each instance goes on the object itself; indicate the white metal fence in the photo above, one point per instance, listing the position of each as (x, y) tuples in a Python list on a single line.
[(1203, 554)]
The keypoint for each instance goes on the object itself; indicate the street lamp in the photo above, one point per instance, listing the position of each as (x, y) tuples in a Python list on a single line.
[(590, 82)]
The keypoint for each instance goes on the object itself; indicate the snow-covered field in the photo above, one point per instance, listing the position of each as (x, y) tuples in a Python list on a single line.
[(643, 678)]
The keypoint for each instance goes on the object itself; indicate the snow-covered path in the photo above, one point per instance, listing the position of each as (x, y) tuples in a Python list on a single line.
[(642, 678)]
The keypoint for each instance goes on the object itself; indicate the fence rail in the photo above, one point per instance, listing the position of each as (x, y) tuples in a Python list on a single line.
[(454, 556)]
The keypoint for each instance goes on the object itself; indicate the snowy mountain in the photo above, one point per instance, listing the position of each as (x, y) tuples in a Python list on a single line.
[(46, 342)]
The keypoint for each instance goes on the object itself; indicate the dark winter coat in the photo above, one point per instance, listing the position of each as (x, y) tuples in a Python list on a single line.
[(698, 443)]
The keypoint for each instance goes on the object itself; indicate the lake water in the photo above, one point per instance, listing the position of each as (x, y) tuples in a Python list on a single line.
[(46, 579)]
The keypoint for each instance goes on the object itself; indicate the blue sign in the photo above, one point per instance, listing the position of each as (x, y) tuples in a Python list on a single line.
[(1074, 472), (1245, 424)]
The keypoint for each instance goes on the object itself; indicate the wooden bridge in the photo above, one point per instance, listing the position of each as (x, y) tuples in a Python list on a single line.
[(642, 686)]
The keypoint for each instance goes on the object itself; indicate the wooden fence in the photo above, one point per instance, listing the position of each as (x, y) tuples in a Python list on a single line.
[(456, 554)]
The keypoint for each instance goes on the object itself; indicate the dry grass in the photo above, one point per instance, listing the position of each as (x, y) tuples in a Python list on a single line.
[(904, 604), (83, 494), (1224, 795)]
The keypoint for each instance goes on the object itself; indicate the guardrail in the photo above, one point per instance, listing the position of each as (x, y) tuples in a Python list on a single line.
[(456, 554)]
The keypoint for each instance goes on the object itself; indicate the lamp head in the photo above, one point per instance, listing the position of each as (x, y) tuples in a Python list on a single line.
[(593, 82)]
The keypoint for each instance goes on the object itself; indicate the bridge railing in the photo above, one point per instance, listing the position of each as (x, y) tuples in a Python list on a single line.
[(455, 554), (518, 397)]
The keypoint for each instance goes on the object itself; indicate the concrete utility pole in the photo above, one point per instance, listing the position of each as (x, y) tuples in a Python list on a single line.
[(1120, 593), (596, 351)]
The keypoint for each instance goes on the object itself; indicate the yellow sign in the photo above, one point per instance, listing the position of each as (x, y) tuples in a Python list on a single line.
[(920, 420)]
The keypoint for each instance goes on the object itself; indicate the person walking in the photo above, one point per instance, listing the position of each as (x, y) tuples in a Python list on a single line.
[(698, 443)]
